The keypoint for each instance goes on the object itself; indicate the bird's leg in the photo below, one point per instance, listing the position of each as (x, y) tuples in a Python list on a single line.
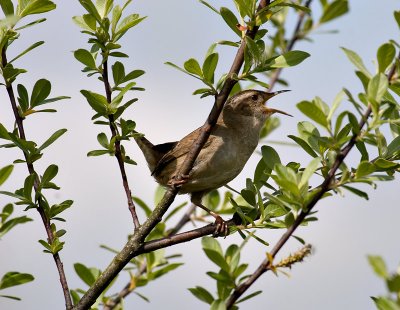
[(178, 183), (221, 226)]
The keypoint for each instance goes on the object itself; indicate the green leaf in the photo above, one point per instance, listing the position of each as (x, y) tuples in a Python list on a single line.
[(393, 148), (14, 278), (384, 303), (89, 6), (7, 6), (192, 66), (98, 153), (8, 225), (336, 102), (378, 265), (209, 6), (377, 88), (213, 251), (117, 100), (202, 294), (86, 58), (133, 75), (385, 164), (85, 274), (334, 10), (127, 23), (397, 17), (10, 73), (33, 46), (23, 98), (41, 90), (102, 139), (48, 175), (59, 208), (356, 192), (38, 21), (289, 59), (245, 7), (270, 156), (309, 171), (164, 270), (248, 296), (357, 61), (4, 133), (104, 7), (385, 56), (230, 19), (5, 173), (118, 72), (218, 305), (311, 110), (253, 49), (52, 139), (96, 101), (35, 7), (304, 145), (209, 66), (365, 168)]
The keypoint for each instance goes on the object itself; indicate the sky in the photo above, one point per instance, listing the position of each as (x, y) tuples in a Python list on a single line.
[(336, 276)]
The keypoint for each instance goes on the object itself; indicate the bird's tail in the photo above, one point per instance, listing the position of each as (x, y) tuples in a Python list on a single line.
[(149, 151)]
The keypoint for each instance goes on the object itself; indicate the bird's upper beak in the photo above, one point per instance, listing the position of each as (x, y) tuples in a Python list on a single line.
[(268, 96)]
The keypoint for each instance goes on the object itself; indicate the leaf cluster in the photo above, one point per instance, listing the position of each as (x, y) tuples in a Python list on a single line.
[(392, 281), (230, 274)]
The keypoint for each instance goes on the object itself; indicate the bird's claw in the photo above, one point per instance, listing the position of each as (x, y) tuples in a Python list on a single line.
[(178, 183), (221, 227)]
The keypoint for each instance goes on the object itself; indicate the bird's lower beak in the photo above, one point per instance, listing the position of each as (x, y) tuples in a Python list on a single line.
[(273, 94), (272, 111)]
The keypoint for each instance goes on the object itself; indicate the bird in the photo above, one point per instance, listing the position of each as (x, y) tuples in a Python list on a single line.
[(231, 143)]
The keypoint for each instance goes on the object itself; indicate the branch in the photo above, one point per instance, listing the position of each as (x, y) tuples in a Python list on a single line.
[(136, 242), (128, 288), (323, 188), (118, 152), (40, 208)]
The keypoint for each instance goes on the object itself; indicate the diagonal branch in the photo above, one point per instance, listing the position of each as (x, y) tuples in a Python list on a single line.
[(323, 188), (173, 238), (136, 241), (118, 151), (46, 221)]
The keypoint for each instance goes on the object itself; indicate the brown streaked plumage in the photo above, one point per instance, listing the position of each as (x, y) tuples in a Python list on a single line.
[(222, 158)]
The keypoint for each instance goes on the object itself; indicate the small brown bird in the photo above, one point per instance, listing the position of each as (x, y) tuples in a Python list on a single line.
[(230, 145)]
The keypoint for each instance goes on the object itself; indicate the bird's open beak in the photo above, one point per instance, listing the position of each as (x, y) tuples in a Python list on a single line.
[(273, 94)]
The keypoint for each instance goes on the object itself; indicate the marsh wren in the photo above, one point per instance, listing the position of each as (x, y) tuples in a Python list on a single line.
[(223, 156)]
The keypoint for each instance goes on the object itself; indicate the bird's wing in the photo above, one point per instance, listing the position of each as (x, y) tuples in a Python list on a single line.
[(179, 149), (164, 148)]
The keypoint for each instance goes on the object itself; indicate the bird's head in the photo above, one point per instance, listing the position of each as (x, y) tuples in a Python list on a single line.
[(251, 103)]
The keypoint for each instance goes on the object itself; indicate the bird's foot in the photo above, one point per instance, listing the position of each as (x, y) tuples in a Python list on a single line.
[(221, 226), (178, 183)]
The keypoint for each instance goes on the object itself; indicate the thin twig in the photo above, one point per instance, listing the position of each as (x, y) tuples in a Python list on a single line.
[(323, 188), (118, 152), (295, 37), (135, 243), (40, 208)]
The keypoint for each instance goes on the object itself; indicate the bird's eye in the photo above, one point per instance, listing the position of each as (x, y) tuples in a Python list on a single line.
[(254, 97)]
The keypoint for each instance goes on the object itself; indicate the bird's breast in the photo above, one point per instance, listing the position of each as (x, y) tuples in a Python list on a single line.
[(221, 161)]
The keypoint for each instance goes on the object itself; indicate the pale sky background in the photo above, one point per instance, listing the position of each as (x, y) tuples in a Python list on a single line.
[(336, 276)]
